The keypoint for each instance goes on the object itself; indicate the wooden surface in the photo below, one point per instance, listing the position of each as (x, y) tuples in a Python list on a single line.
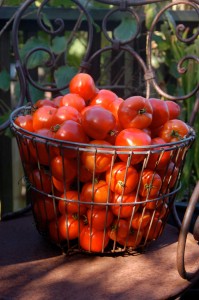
[(31, 268)]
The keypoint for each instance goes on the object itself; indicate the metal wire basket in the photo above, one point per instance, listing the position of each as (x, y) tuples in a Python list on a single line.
[(106, 211)]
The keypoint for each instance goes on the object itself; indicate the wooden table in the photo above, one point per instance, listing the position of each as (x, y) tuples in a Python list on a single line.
[(31, 268)]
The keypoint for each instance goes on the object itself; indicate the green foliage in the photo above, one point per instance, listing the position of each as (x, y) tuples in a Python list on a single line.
[(126, 29), (63, 75), (4, 80)]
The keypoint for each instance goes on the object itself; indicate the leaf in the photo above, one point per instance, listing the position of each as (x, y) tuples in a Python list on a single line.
[(150, 12), (126, 29), (4, 80), (59, 44), (63, 76)]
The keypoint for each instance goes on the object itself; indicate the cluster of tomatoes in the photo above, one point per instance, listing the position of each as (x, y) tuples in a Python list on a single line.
[(91, 190)]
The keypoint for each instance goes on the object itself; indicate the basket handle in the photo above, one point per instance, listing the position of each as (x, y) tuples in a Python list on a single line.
[(183, 234)]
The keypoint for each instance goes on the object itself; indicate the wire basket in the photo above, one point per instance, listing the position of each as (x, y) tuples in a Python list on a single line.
[(121, 208)]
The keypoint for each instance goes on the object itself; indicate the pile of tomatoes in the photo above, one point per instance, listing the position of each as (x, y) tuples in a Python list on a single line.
[(86, 187)]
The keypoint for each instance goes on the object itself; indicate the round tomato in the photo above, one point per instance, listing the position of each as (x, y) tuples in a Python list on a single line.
[(114, 107), (99, 219), (174, 109), (57, 100), (64, 113), (150, 202), (133, 240), (119, 230), (104, 98), (135, 112), (83, 85), (140, 219), (84, 174), (160, 112), (97, 122), (93, 240), (44, 102), (169, 177), (153, 229), (97, 159), (43, 117), (174, 130), (25, 122), (44, 208), (162, 211), (63, 169), (73, 100), (60, 186), (150, 183), (122, 179), (122, 209), (41, 180), (71, 203), (132, 137)]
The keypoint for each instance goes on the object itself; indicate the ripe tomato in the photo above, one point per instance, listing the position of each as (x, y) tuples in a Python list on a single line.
[(150, 183), (94, 159), (24, 150), (64, 113), (111, 137), (44, 208), (104, 98), (135, 112), (63, 169), (132, 137), (133, 240), (174, 109), (57, 100), (93, 240), (73, 100), (71, 203), (43, 117), (114, 107), (41, 180), (84, 174), (96, 193), (83, 85), (25, 122), (60, 185), (152, 204), (119, 230), (44, 102), (99, 219), (174, 130), (121, 209), (97, 122), (122, 179), (169, 176), (160, 112), (153, 229), (162, 211), (141, 219)]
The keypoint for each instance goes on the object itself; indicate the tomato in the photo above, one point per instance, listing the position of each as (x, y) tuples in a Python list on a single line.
[(43, 117), (121, 208), (44, 208), (99, 219), (44, 102), (161, 211), (132, 137), (93, 240), (97, 122), (41, 180), (63, 169), (114, 107), (71, 203), (73, 100), (174, 130), (111, 137), (133, 240), (60, 185), (122, 179), (64, 113), (119, 230), (150, 203), (174, 109), (158, 159), (140, 219), (24, 150), (25, 122), (104, 98), (96, 193), (135, 112), (169, 177), (84, 174), (150, 183), (97, 161), (83, 85), (153, 229), (160, 112), (57, 100)]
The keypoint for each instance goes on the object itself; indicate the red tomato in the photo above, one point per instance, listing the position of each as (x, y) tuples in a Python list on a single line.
[(150, 183), (122, 179), (135, 112), (122, 209), (174, 130), (60, 185), (140, 219), (24, 150), (57, 100), (132, 137), (83, 85), (99, 219), (119, 229), (63, 169), (104, 98), (65, 113), (73, 100), (174, 109), (97, 122), (93, 240), (97, 161), (133, 240), (150, 202), (153, 229), (160, 112), (25, 122), (45, 102), (169, 176), (162, 211), (114, 107), (41, 180), (44, 208), (96, 193), (84, 174), (111, 137), (71, 203), (43, 117)]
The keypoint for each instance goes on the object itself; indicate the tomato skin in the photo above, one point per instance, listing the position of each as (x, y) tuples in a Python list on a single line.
[(132, 137), (97, 122), (93, 240), (83, 85), (63, 169), (65, 113), (140, 219), (60, 186), (41, 180), (153, 229), (169, 176), (25, 122), (44, 208), (160, 112), (99, 219), (94, 161), (104, 98), (135, 112), (122, 210), (174, 109), (73, 100), (174, 130), (114, 107), (150, 184), (57, 100), (122, 180), (84, 174), (44, 102), (65, 206), (43, 117), (133, 240)]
